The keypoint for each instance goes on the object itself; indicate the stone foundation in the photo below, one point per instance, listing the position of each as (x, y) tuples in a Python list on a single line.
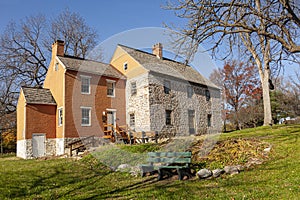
[(24, 148), (50, 147)]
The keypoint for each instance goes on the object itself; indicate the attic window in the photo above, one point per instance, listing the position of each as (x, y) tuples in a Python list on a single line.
[(207, 94), (167, 87), (190, 91), (56, 66), (125, 66)]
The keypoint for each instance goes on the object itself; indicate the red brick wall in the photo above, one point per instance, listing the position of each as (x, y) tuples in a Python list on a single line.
[(97, 100), (40, 119)]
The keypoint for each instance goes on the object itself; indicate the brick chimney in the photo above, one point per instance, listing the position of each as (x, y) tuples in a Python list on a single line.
[(58, 48), (157, 50)]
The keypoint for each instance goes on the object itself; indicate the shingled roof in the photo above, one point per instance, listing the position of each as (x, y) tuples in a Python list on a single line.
[(90, 66), (38, 96), (167, 66)]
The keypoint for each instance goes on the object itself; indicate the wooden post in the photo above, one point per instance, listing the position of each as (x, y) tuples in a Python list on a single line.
[(130, 139), (70, 150), (156, 137), (1, 140), (143, 136)]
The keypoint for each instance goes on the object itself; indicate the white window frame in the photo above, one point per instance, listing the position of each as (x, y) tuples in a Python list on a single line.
[(133, 90), (132, 122), (114, 87), (89, 117), (60, 116), (89, 83), (125, 66)]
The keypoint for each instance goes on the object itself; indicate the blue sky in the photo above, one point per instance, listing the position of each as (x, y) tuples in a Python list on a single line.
[(136, 23), (107, 17)]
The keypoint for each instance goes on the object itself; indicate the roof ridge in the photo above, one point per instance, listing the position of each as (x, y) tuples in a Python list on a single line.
[(32, 87), (163, 58), (83, 59)]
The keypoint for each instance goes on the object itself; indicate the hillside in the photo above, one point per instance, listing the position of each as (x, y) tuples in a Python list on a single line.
[(278, 177)]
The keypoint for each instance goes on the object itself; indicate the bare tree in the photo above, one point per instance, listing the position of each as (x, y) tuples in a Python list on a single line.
[(78, 36), (25, 51), (267, 31), (22, 53)]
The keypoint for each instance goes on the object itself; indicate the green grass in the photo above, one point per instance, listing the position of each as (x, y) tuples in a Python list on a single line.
[(277, 178)]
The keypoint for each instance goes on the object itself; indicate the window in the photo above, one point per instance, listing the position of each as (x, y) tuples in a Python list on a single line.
[(168, 117), (132, 120), (209, 120), (125, 66), (60, 116), (167, 87), (110, 88), (56, 66), (207, 94), (85, 116), (191, 118), (85, 84), (133, 88), (190, 91)]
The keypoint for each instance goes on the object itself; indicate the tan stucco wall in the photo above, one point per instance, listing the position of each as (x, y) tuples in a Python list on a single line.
[(21, 117), (120, 57), (56, 83)]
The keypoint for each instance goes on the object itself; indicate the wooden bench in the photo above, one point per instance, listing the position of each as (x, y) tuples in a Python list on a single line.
[(166, 162)]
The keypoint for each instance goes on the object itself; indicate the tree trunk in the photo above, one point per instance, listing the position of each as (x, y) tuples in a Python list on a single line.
[(266, 100)]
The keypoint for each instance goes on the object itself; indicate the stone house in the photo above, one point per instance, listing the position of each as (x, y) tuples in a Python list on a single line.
[(167, 96), (145, 91)]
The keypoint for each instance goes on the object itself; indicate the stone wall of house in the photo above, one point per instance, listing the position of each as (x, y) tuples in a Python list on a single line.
[(179, 102), (138, 103), (50, 147)]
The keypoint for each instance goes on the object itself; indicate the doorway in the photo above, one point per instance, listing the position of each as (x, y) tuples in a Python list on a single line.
[(111, 119), (191, 121), (38, 145)]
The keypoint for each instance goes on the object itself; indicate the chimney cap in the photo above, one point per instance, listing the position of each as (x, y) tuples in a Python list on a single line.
[(59, 41), (58, 48), (158, 45)]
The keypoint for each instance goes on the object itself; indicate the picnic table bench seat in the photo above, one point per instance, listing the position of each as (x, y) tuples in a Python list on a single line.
[(164, 162)]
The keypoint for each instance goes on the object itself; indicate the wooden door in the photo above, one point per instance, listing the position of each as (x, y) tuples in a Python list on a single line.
[(38, 145)]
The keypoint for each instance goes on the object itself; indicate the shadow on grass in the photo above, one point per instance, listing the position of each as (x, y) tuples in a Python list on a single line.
[(57, 182), (138, 185)]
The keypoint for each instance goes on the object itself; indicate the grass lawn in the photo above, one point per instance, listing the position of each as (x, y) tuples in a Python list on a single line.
[(277, 178)]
